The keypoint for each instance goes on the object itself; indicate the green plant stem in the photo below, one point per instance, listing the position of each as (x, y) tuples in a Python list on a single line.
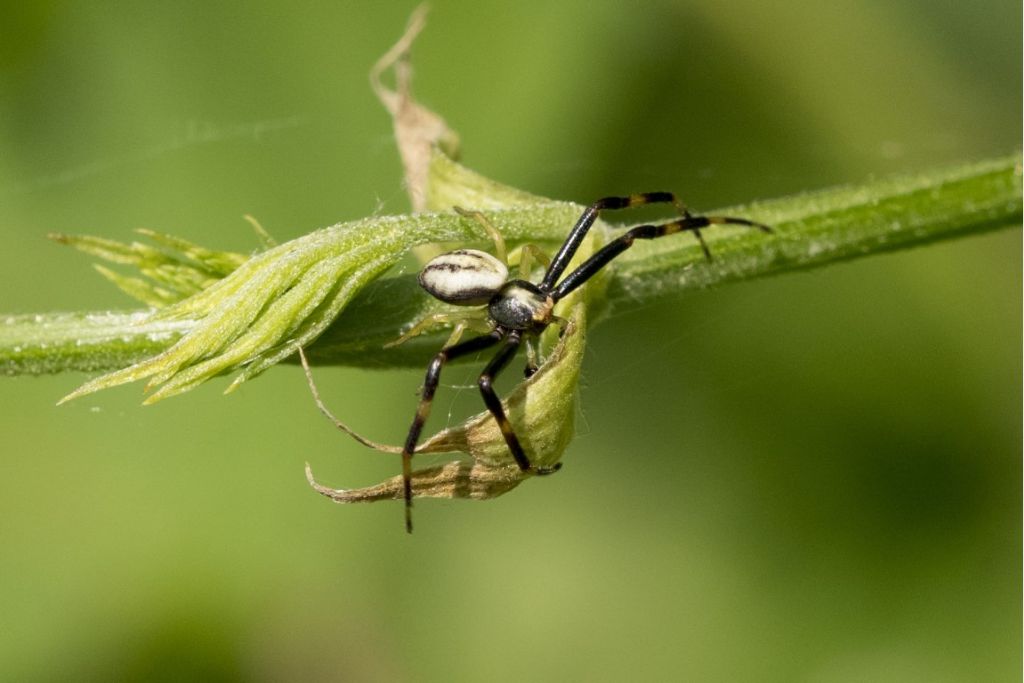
[(810, 230), (833, 225), (37, 344)]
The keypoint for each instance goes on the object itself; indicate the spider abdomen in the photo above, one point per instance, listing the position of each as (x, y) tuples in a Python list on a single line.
[(465, 277), (520, 305)]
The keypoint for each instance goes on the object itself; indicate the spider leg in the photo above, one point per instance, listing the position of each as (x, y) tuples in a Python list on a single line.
[(716, 220), (430, 383), (644, 232), (499, 242), (586, 220), (525, 255), (531, 359), (493, 403), (463, 320)]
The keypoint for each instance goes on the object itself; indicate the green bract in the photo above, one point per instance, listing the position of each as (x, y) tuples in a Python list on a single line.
[(286, 296)]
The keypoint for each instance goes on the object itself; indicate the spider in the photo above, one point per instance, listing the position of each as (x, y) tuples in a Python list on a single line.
[(519, 310)]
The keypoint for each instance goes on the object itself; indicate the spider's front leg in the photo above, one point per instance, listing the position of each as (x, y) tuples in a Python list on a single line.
[(586, 221), (690, 222)]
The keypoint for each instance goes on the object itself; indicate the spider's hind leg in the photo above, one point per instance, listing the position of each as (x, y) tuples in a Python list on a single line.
[(525, 255), (472, 320), (500, 252)]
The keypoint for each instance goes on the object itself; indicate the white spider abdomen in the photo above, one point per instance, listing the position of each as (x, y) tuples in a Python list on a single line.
[(465, 277)]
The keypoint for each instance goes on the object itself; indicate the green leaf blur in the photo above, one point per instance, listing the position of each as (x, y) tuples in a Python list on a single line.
[(815, 476)]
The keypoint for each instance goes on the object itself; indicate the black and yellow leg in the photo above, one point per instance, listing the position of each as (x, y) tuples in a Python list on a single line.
[(430, 383), (586, 220), (690, 222), (644, 232), (493, 403)]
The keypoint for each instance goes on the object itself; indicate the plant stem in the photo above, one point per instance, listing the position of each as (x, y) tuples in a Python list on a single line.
[(810, 230), (833, 225), (37, 344)]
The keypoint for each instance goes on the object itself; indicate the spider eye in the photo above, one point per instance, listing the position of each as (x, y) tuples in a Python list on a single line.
[(465, 277)]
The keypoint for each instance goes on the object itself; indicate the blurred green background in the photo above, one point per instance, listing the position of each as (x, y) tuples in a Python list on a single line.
[(813, 477)]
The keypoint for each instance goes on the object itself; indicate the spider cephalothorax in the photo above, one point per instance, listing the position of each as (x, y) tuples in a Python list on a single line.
[(521, 305), (518, 309)]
